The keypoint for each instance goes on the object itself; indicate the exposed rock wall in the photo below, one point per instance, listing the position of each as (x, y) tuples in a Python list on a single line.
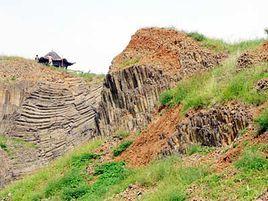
[(154, 60), (214, 127), (47, 114), (11, 97), (130, 96), (54, 116)]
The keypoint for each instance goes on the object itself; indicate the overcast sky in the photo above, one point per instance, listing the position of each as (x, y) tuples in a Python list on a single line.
[(92, 32)]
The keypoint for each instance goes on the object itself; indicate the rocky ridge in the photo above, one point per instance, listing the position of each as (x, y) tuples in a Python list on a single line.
[(154, 60)]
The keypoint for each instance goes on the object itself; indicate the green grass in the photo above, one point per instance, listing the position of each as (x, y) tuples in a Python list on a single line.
[(74, 184), (253, 162), (262, 121), (49, 181), (122, 147), (129, 62), (248, 180), (3, 143), (88, 77), (68, 178), (203, 150), (122, 133), (219, 85), (9, 144), (219, 45)]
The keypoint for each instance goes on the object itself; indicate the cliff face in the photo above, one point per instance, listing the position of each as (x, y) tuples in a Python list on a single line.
[(214, 127), (49, 114), (130, 96), (154, 60)]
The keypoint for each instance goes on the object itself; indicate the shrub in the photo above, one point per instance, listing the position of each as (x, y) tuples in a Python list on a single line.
[(262, 121), (3, 144), (166, 97), (197, 36), (122, 147)]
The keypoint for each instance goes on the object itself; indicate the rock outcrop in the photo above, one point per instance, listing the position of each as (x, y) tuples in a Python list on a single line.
[(262, 85), (217, 126), (154, 60), (253, 57), (53, 111)]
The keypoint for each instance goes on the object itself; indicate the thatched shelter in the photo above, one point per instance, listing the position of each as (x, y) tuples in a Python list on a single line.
[(52, 58)]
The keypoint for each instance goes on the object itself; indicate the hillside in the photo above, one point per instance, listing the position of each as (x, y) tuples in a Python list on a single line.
[(179, 117), (43, 113), (154, 60)]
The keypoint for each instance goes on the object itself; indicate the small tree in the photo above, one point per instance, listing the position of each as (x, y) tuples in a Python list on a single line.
[(266, 31)]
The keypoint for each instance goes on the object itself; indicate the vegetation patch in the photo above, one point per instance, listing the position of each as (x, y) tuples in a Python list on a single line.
[(203, 150), (197, 36), (122, 147), (252, 161), (129, 62), (64, 179), (218, 45), (219, 85), (3, 144), (122, 133), (262, 121)]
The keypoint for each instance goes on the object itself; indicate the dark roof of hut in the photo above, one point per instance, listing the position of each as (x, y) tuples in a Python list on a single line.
[(54, 55)]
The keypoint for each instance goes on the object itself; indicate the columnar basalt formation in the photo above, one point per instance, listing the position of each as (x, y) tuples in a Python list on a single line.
[(214, 127), (53, 111), (253, 57), (154, 60)]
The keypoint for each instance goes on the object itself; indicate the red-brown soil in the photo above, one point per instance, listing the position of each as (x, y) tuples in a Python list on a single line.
[(151, 141), (166, 49)]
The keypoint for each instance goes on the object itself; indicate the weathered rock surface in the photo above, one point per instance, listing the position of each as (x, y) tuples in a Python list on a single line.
[(253, 57), (53, 111), (214, 127), (262, 85), (154, 60)]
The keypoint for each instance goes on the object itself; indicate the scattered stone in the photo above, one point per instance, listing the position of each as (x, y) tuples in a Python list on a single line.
[(262, 85), (134, 192)]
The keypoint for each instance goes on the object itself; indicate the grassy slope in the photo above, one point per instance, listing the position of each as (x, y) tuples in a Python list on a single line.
[(220, 84), (172, 178), (165, 179)]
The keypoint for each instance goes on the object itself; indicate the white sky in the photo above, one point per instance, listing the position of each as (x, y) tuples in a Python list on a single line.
[(92, 32)]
